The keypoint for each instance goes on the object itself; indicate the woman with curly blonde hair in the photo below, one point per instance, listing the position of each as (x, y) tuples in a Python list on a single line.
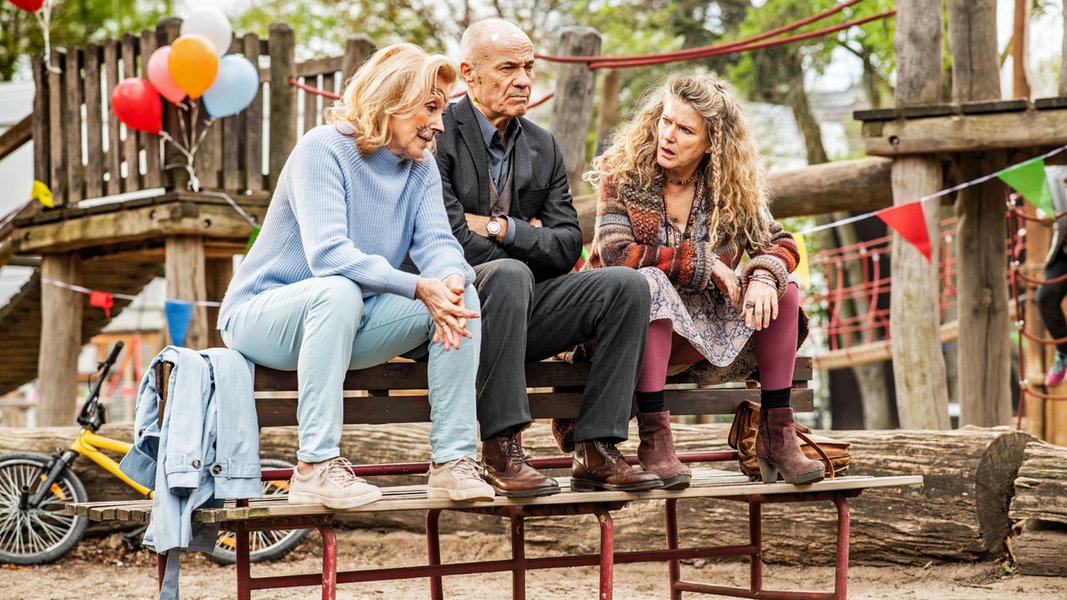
[(681, 197)]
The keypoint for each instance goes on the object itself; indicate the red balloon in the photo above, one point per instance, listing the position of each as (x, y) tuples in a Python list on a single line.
[(29, 5), (137, 104)]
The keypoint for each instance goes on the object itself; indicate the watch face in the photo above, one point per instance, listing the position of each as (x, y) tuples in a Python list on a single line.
[(492, 227)]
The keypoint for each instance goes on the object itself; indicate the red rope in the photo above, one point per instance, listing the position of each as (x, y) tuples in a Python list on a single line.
[(756, 38), (710, 51), (312, 90)]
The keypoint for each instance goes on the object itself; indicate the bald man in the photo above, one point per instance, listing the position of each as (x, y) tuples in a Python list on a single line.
[(506, 192)]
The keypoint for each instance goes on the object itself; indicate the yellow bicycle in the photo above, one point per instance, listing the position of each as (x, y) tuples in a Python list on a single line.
[(34, 528)]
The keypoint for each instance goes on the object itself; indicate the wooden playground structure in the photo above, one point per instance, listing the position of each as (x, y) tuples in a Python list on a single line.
[(155, 227)]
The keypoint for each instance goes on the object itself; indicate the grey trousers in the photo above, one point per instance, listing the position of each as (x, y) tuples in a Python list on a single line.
[(526, 321)]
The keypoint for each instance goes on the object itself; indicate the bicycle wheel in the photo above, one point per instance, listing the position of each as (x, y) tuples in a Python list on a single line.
[(40, 534), (265, 545)]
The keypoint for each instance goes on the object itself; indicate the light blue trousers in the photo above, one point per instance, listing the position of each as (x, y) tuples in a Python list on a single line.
[(313, 327)]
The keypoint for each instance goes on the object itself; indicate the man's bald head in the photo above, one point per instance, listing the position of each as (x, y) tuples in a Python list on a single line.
[(482, 37)]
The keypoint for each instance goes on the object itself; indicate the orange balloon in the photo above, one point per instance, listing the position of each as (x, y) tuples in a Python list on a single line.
[(193, 64)]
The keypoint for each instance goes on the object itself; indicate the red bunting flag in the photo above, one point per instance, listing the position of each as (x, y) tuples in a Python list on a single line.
[(102, 300), (910, 222)]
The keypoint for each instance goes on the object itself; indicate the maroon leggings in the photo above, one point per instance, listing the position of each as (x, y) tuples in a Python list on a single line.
[(776, 348)]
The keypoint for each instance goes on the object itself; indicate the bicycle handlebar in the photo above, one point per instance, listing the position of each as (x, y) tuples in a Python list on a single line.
[(90, 415)]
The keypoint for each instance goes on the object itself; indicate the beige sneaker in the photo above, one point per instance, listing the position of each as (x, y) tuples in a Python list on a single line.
[(332, 485), (458, 480)]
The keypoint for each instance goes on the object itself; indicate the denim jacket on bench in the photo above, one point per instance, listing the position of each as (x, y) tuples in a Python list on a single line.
[(202, 462)]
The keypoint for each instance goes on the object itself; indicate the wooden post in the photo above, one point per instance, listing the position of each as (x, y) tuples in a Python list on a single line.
[(572, 106), (175, 178), (61, 339), (1019, 55), (918, 365), (1062, 88), (608, 113), (985, 371), (219, 274), (282, 99), (186, 281), (358, 49)]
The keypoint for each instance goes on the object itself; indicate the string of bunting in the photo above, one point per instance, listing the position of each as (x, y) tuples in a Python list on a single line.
[(1027, 178)]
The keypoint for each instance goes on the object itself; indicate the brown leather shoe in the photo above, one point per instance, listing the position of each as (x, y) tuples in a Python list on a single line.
[(505, 468), (598, 465), (563, 431)]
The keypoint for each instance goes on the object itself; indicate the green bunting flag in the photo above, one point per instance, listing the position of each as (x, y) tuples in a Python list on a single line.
[(252, 238), (1028, 179)]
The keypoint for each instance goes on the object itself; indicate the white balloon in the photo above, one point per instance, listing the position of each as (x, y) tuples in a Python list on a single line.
[(213, 25)]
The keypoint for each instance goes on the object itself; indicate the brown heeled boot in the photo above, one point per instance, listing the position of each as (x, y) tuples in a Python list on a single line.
[(656, 451), (778, 450), (598, 465)]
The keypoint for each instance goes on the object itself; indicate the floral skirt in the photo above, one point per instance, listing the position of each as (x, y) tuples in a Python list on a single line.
[(707, 320)]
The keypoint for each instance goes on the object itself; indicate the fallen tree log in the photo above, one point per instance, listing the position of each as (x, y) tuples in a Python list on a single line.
[(845, 185), (959, 514), (1039, 511)]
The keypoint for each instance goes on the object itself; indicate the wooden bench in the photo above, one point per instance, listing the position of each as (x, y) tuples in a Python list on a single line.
[(404, 384)]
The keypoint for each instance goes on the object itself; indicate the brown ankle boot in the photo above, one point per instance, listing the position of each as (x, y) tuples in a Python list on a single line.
[(598, 465), (505, 468), (778, 450), (656, 451)]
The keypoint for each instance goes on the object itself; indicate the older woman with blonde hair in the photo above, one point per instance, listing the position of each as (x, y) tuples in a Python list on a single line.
[(321, 292), (681, 197)]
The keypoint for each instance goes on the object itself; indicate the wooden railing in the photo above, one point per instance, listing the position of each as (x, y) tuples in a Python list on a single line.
[(81, 150)]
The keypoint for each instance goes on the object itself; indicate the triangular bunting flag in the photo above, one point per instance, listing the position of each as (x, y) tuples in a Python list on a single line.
[(252, 238), (910, 222), (1028, 179), (802, 272), (42, 194), (179, 313), (102, 300)]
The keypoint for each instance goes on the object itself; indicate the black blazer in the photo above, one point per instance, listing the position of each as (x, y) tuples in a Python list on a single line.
[(539, 189)]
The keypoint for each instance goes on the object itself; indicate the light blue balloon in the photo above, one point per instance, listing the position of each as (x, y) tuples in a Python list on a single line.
[(235, 87)]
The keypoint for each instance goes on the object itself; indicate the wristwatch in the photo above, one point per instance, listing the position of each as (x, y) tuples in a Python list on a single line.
[(493, 227)]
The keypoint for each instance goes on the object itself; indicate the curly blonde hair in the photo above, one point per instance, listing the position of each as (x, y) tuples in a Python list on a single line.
[(395, 81), (737, 182)]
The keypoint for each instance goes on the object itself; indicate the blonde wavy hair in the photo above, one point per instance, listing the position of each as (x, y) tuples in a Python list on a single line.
[(737, 182), (395, 81)]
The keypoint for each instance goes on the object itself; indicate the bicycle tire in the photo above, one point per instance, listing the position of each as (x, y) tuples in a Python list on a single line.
[(41, 535), (265, 545)]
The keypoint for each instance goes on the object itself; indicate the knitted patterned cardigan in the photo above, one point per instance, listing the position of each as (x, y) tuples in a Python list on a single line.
[(627, 231)]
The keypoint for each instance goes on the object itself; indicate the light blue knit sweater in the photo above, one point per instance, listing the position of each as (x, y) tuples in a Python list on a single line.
[(336, 212)]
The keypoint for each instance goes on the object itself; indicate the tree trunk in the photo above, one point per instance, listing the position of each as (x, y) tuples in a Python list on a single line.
[(985, 392), (918, 366), (1039, 511), (572, 107)]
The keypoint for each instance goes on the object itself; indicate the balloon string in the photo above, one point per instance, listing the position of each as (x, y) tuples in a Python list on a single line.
[(194, 182), (43, 17)]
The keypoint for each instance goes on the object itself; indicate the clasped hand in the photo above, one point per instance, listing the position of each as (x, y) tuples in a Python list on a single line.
[(761, 299), (444, 300)]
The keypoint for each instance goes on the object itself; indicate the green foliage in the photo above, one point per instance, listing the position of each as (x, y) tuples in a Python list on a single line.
[(74, 23), (763, 72)]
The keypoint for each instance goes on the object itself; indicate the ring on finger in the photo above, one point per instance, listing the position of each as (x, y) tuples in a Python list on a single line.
[(750, 304)]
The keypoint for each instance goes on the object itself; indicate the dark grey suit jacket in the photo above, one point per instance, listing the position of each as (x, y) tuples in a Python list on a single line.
[(540, 190)]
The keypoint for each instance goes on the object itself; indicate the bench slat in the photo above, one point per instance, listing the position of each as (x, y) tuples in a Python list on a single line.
[(707, 483)]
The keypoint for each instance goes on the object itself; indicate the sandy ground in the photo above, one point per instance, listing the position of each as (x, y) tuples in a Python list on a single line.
[(101, 568)]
